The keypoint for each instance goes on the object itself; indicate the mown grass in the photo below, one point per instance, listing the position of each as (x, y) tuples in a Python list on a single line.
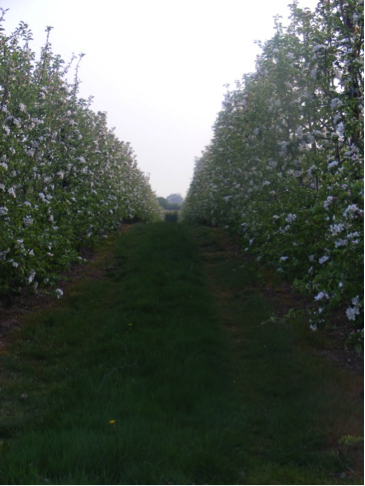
[(133, 379), (299, 405)]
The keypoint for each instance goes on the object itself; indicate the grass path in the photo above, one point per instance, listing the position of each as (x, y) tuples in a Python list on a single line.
[(160, 372)]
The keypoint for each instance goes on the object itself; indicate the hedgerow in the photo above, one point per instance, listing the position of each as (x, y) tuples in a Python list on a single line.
[(65, 178), (284, 169)]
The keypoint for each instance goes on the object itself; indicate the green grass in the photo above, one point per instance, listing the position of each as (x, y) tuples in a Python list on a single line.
[(147, 346), (298, 405)]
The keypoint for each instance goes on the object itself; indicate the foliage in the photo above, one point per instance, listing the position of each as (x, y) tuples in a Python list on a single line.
[(167, 204), (175, 199), (350, 440), (171, 216), (285, 166), (356, 340), (162, 201), (65, 178)]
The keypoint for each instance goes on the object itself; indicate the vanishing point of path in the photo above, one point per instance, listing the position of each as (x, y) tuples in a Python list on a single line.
[(163, 366)]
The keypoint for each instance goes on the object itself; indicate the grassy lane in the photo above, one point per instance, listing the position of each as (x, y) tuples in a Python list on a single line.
[(133, 379), (304, 415)]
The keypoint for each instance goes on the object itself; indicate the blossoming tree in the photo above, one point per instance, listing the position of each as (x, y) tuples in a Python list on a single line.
[(65, 178), (284, 169)]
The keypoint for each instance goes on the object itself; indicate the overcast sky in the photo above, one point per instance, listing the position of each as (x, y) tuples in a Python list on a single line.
[(157, 67)]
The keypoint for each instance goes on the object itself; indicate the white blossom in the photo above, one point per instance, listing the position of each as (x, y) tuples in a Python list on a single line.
[(336, 228), (3, 254), (299, 132), (355, 234), (350, 210), (340, 129), (351, 313), (339, 243), (28, 221), (323, 259), (321, 295), (327, 202), (290, 218), (31, 276), (355, 301), (59, 293), (336, 118), (7, 129), (335, 103)]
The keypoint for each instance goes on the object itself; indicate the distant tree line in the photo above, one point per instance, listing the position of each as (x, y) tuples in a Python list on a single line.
[(172, 202)]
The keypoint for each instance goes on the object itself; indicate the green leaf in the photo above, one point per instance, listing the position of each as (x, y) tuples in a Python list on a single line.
[(358, 348)]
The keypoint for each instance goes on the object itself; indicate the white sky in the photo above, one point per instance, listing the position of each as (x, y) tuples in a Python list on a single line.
[(157, 67)]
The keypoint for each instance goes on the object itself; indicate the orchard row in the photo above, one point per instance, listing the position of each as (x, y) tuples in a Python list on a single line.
[(284, 169), (65, 178)]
